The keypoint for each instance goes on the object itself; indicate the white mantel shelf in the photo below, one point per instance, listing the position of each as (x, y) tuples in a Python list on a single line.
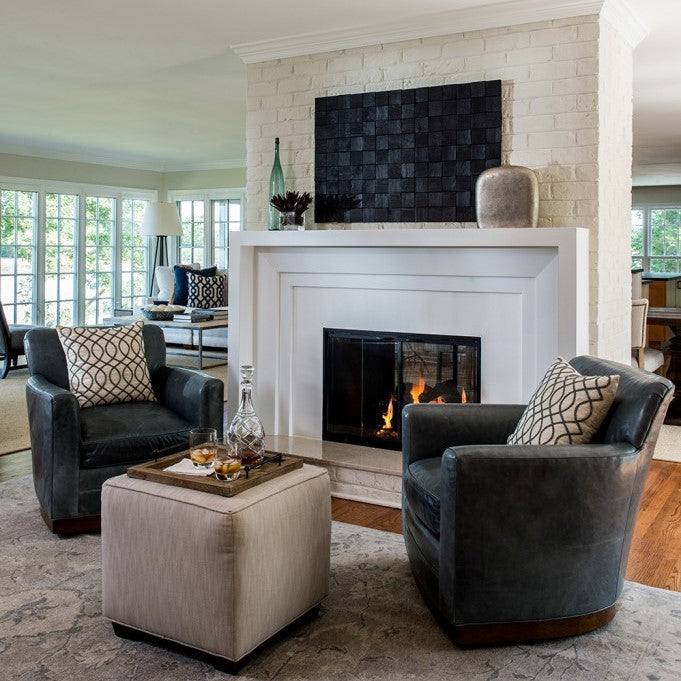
[(524, 292), (551, 237)]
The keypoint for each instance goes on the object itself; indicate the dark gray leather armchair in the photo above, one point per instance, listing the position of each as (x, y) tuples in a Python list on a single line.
[(516, 543), (75, 450)]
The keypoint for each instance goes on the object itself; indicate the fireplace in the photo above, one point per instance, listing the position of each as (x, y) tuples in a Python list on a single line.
[(369, 376)]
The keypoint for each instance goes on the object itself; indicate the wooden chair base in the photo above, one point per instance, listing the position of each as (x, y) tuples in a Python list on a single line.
[(67, 526), (522, 632)]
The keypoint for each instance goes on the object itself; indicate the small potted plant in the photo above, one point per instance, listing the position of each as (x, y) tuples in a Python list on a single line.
[(292, 207)]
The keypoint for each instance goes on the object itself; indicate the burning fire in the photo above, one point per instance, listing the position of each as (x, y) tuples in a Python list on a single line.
[(417, 389), (388, 415)]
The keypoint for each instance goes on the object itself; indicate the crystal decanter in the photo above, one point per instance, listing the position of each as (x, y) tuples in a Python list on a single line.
[(246, 429)]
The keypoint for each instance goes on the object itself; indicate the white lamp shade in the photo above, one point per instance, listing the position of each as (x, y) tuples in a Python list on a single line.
[(161, 219)]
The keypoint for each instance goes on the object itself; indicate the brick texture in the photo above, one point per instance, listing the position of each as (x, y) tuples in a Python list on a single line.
[(566, 113)]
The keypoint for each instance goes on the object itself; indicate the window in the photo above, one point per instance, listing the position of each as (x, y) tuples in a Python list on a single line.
[(100, 219), (656, 239), (19, 211), (69, 253), (134, 253), (60, 289), (226, 219), (192, 239), (207, 218)]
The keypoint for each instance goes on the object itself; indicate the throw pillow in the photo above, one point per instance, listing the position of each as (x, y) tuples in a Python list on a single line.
[(182, 285), (171, 282), (566, 409), (205, 292), (106, 365)]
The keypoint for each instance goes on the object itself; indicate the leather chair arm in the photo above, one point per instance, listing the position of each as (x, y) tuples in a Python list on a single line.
[(198, 398), (428, 429), (54, 418), (514, 517)]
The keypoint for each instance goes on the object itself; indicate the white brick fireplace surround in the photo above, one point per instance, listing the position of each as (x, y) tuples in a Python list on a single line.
[(524, 292), (566, 113)]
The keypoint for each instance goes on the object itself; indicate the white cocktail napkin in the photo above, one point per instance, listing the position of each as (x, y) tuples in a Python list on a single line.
[(186, 467)]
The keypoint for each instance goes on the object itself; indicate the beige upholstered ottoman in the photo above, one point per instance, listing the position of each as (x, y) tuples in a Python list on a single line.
[(217, 574)]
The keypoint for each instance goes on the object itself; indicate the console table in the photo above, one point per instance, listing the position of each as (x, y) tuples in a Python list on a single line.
[(199, 327)]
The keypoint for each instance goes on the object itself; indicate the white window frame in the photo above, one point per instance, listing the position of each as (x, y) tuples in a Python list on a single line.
[(647, 232), (207, 196), (83, 190), (37, 258)]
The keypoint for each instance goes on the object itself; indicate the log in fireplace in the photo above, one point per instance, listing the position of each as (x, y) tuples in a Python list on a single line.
[(369, 376)]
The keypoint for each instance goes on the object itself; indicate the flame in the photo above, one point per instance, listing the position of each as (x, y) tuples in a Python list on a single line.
[(417, 389), (464, 399), (388, 415), (439, 400)]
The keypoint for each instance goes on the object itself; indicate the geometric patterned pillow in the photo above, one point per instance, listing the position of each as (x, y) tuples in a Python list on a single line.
[(566, 409), (205, 292), (106, 366)]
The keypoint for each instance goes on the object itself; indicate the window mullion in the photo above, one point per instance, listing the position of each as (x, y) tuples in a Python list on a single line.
[(80, 258), (118, 253), (647, 239), (39, 262), (208, 236)]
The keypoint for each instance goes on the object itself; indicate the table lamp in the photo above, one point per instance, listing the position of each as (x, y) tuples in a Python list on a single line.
[(160, 220)]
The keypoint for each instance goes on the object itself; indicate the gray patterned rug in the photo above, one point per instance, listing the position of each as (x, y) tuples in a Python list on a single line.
[(373, 625)]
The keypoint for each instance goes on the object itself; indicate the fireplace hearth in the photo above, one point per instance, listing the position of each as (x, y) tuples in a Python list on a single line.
[(369, 376)]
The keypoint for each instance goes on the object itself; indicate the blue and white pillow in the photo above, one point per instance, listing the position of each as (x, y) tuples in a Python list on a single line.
[(205, 292)]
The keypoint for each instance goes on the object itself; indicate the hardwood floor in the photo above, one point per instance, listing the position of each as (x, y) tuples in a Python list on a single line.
[(655, 557)]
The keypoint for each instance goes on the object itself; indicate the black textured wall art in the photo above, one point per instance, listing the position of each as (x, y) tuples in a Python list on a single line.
[(405, 155)]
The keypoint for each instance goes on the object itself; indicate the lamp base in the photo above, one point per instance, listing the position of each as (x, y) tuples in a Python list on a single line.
[(160, 259)]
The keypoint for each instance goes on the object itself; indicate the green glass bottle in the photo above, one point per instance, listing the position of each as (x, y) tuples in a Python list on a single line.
[(276, 187)]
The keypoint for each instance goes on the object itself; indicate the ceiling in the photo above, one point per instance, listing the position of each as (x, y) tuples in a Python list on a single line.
[(154, 84)]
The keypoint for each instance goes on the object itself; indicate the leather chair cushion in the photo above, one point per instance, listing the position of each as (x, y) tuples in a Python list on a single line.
[(128, 433), (422, 490), (17, 333)]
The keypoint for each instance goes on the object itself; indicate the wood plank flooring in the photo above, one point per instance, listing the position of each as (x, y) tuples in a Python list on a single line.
[(655, 557)]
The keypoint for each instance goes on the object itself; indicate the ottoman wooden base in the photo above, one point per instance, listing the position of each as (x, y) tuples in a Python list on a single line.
[(220, 663), (219, 575)]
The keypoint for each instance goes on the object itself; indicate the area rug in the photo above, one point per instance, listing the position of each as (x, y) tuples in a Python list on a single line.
[(13, 415), (372, 626), (668, 447)]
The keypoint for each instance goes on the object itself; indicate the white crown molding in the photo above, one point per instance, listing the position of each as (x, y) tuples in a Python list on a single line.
[(226, 164), (492, 15), (625, 20), (117, 161)]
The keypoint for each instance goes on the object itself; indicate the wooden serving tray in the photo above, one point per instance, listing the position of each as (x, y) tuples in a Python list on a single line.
[(153, 470)]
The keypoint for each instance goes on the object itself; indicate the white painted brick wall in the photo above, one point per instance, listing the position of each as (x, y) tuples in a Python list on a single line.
[(611, 285), (556, 106)]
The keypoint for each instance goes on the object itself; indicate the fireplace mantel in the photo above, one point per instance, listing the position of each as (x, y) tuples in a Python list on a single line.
[(524, 292)]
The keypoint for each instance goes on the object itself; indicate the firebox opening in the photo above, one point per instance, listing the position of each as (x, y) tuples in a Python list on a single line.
[(369, 376)]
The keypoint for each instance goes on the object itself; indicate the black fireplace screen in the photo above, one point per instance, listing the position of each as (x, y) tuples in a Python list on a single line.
[(369, 376)]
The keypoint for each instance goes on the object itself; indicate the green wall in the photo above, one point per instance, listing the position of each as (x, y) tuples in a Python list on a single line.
[(660, 195), (35, 168)]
